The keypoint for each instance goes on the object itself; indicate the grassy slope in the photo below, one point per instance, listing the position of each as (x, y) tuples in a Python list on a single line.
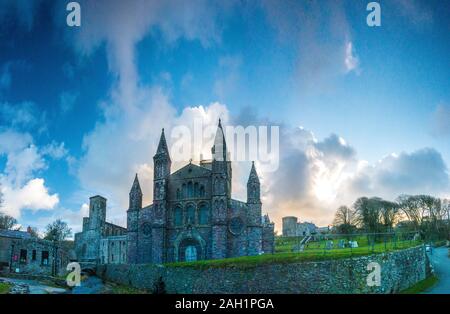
[(4, 287), (291, 257), (421, 286), (122, 289)]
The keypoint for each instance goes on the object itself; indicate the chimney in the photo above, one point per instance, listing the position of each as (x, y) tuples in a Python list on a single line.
[(29, 230)]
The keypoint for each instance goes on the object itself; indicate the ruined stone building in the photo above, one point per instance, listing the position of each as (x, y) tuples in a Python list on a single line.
[(293, 228), (20, 252), (192, 217)]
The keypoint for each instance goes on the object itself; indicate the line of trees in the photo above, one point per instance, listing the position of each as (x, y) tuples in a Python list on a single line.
[(427, 215)]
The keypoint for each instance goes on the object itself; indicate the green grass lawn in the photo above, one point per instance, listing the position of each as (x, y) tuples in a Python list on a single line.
[(4, 287), (122, 289), (286, 244), (294, 257), (421, 286)]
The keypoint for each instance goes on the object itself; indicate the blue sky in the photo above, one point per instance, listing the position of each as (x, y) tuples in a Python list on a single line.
[(81, 108)]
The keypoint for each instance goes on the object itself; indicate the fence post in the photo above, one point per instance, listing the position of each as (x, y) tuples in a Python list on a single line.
[(351, 244)]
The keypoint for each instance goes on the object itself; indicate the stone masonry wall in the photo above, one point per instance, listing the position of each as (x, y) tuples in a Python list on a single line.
[(399, 270)]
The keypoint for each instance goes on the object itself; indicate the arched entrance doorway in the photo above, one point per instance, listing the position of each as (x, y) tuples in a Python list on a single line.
[(190, 254), (189, 250), (189, 246)]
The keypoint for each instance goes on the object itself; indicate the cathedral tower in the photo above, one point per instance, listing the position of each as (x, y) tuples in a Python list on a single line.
[(221, 193), (134, 208), (161, 173), (97, 212), (254, 227)]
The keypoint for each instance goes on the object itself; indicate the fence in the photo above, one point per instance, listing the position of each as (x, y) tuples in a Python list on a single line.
[(348, 244)]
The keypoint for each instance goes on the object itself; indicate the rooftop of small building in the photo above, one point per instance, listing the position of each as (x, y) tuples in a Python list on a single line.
[(16, 234)]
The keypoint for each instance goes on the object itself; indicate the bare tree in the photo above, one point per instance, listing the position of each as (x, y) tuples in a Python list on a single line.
[(427, 213), (389, 214), (7, 222), (344, 220)]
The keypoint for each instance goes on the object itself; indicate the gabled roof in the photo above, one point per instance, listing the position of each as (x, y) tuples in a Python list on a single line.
[(191, 171)]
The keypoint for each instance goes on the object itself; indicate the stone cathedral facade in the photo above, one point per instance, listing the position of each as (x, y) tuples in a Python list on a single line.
[(192, 216)]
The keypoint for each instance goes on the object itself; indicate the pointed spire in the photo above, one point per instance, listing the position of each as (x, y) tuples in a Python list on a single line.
[(162, 146), (219, 150), (136, 186), (135, 195), (253, 174)]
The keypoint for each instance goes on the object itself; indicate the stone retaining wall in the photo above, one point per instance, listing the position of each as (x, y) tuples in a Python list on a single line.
[(399, 270)]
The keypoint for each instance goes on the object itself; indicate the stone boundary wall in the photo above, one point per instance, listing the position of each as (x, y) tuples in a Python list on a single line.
[(399, 270)]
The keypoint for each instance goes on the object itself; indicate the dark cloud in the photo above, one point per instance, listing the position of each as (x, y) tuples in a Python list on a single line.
[(421, 172), (336, 147)]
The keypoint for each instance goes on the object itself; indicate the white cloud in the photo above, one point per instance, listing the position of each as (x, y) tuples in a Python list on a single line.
[(33, 195), (21, 189), (55, 150), (24, 115), (351, 60), (317, 176), (420, 172)]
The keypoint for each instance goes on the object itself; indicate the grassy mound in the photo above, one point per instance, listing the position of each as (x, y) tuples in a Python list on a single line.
[(421, 286), (294, 257)]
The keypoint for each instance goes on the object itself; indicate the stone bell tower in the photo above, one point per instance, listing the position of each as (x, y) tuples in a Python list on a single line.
[(161, 173), (221, 194), (134, 208), (254, 223)]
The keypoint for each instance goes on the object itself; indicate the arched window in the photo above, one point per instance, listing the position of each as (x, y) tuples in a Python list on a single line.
[(178, 194), (178, 216), (190, 214), (196, 192), (190, 189), (202, 191), (184, 191), (203, 214)]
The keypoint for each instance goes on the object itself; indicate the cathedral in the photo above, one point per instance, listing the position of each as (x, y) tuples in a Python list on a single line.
[(192, 217)]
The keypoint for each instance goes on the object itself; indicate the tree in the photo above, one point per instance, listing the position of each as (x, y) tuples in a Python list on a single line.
[(344, 220), (7, 222), (368, 214), (389, 214), (57, 231), (427, 213)]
